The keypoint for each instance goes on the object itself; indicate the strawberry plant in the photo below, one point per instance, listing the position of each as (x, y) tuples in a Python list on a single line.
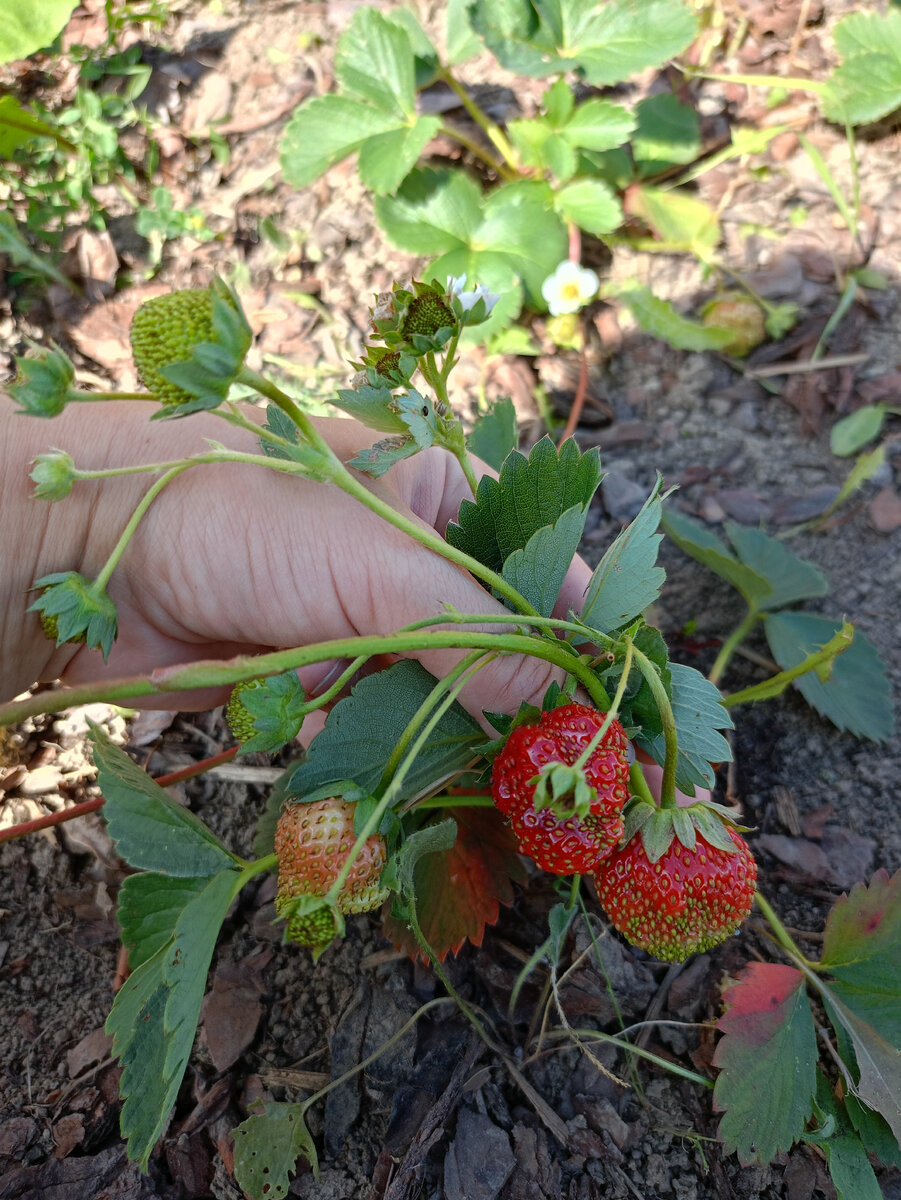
[(373, 814)]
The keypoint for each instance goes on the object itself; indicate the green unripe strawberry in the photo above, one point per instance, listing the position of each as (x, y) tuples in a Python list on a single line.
[(426, 315), (743, 319), (239, 718), (165, 330)]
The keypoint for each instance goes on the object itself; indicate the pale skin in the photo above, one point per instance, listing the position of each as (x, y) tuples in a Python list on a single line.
[(233, 559)]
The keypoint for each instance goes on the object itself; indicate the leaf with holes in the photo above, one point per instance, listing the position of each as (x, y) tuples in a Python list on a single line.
[(267, 1147)]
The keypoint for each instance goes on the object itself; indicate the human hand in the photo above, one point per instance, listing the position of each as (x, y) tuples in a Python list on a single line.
[(235, 560)]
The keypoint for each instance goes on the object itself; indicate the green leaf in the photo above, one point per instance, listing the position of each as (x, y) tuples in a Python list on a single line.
[(18, 126), (846, 1157), (699, 715), (627, 580), (706, 548), (867, 85), (362, 730), (433, 839), (862, 949), (668, 134), (606, 42), (680, 221), (374, 64), (511, 238), (660, 319), (530, 494), (151, 830), (386, 159), (13, 243), (460, 40), (282, 426), (865, 467), (267, 1147), (598, 125), (767, 1061), (494, 433), (538, 569), (278, 707), (857, 696), (149, 907), (591, 205), (432, 213), (154, 1017), (419, 424), (324, 130), (852, 433), (790, 577), (374, 407), (30, 25)]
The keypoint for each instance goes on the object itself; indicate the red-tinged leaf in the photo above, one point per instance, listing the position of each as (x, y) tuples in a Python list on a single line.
[(767, 1063), (459, 891), (862, 944)]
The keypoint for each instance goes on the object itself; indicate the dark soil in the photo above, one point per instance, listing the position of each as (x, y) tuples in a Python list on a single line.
[(439, 1114)]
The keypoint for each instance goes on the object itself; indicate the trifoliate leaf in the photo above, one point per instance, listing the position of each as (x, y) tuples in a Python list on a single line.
[(858, 695), (494, 433), (790, 577), (597, 125), (846, 1158), (703, 546), (878, 1060), (362, 730), (386, 159), (151, 830), (538, 569), (531, 493), (267, 1147), (767, 1062), (627, 580), (80, 610)]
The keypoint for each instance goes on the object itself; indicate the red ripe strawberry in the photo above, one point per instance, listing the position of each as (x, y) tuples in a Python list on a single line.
[(573, 844), (686, 902), (312, 844)]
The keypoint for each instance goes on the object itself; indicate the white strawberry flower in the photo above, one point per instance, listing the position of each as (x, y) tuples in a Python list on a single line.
[(468, 300), (569, 288)]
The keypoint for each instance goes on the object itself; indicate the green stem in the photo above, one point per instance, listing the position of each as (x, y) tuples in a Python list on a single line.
[(113, 396), (731, 644), (489, 128), (387, 798), (630, 1048), (777, 684), (216, 673), (612, 712), (452, 617), (781, 933), (639, 785), (146, 500), (665, 708), (415, 722), (478, 152)]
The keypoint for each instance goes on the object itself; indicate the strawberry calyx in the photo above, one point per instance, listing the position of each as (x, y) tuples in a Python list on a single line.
[(658, 827), (564, 789)]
